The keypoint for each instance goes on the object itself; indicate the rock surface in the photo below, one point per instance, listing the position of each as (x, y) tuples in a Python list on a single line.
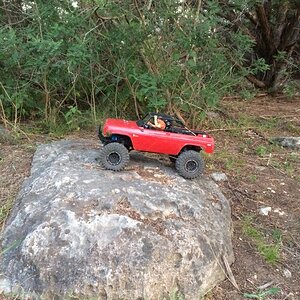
[(287, 142), (144, 233), (218, 177)]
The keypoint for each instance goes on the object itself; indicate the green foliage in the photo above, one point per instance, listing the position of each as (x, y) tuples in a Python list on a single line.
[(261, 295), (5, 210), (125, 58), (259, 66), (261, 150), (13, 245), (291, 89), (247, 94), (72, 116), (269, 250), (175, 295), (273, 57)]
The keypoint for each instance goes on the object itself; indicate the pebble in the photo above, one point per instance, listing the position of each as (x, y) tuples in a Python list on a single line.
[(271, 190), (260, 168), (279, 211), (218, 177), (287, 273), (265, 210)]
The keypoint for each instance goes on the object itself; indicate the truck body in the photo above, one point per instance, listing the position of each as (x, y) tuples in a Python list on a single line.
[(182, 145), (155, 141)]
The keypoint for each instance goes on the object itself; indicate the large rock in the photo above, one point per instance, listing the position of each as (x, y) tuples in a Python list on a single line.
[(144, 233), (287, 142)]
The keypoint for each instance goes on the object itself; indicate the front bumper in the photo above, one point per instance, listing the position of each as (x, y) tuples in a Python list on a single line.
[(102, 138)]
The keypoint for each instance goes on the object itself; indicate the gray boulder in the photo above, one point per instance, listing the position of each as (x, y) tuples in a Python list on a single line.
[(287, 142), (77, 230)]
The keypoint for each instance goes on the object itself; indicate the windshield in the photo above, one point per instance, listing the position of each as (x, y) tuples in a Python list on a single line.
[(143, 121), (169, 120)]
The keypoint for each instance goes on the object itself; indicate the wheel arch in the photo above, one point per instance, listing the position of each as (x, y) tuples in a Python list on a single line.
[(122, 139), (190, 147)]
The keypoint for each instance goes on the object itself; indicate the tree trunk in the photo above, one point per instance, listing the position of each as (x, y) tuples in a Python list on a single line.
[(276, 32)]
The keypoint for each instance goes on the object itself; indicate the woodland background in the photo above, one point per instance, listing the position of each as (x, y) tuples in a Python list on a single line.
[(70, 62)]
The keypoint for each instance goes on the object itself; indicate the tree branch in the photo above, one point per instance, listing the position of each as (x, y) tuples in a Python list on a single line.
[(265, 28), (250, 17), (281, 25)]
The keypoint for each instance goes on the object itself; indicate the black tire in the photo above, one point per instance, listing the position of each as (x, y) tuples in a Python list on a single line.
[(189, 164), (114, 156)]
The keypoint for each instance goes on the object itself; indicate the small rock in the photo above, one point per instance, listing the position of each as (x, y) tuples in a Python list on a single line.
[(287, 273), (287, 142), (260, 168), (116, 191), (219, 177), (158, 175), (265, 210), (271, 190), (212, 114), (279, 211)]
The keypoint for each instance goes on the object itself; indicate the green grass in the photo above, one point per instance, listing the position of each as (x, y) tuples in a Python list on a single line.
[(293, 129), (5, 210), (229, 161), (261, 295), (13, 245), (175, 296), (253, 178), (290, 165), (63, 124), (261, 150), (269, 124), (268, 246)]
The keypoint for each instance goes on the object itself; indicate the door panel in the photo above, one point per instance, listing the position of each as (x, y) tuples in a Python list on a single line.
[(151, 140)]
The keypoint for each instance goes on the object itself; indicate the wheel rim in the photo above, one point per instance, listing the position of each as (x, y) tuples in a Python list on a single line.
[(114, 158), (191, 165)]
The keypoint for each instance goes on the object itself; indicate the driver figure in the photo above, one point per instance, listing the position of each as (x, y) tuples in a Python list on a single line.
[(158, 123)]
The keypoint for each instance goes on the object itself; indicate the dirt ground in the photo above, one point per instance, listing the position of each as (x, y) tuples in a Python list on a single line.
[(260, 175)]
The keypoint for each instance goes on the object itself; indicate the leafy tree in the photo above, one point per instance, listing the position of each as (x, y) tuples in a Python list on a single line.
[(274, 28), (128, 57), (167, 55), (59, 58)]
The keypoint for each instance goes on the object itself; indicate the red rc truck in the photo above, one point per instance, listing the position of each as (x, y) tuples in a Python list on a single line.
[(180, 143)]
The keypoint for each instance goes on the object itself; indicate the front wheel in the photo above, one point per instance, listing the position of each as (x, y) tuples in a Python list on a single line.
[(189, 164), (114, 156)]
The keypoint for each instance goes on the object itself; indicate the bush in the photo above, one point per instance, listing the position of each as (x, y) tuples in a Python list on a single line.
[(125, 59)]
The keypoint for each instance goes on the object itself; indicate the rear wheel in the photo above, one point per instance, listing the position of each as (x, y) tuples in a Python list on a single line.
[(114, 156), (189, 164)]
